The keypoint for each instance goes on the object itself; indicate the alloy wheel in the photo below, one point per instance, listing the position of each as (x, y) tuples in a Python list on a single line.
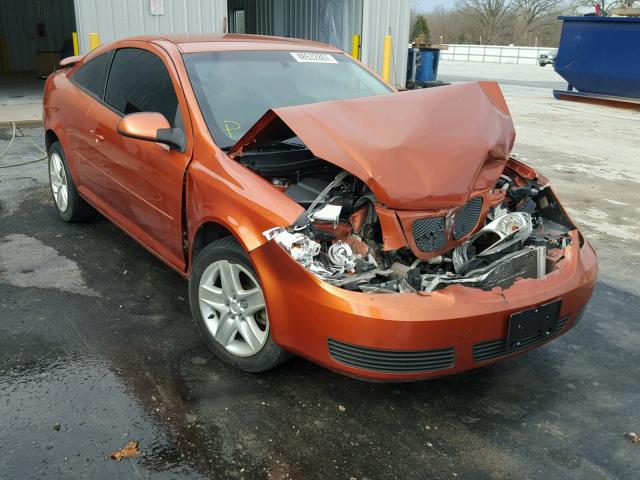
[(58, 179), (233, 308)]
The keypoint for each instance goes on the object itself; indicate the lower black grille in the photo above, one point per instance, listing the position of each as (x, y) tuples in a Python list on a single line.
[(467, 218), (429, 234), (391, 361), (496, 348)]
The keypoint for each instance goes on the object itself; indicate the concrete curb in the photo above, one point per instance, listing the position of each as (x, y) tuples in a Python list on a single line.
[(22, 123)]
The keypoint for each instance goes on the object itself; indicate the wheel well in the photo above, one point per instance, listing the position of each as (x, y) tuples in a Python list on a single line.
[(49, 138), (207, 233)]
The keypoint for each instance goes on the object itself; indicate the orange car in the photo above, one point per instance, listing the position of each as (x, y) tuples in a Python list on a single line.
[(314, 209)]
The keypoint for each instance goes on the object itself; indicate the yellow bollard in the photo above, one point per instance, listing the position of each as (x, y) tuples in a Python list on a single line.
[(94, 40), (355, 47), (74, 37), (386, 58)]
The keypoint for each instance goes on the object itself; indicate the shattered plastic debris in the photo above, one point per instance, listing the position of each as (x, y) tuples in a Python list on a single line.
[(129, 450)]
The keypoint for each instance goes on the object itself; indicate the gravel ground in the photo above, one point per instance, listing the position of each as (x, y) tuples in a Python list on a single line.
[(97, 349)]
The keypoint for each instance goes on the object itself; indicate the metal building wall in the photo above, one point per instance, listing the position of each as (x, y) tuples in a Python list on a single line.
[(306, 19), (266, 13), (301, 18), (18, 25), (378, 18), (114, 19), (371, 18)]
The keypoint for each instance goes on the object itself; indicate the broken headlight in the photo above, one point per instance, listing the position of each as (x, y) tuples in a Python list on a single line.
[(336, 263), (495, 237)]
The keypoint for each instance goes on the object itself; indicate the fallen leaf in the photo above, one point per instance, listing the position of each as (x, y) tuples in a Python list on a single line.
[(633, 437), (129, 450)]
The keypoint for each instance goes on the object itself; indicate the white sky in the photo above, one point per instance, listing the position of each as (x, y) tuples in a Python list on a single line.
[(428, 5)]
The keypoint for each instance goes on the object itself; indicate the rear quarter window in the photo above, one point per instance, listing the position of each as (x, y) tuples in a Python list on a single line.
[(92, 75)]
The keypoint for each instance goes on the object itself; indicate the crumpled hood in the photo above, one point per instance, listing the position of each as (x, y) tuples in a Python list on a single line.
[(416, 150)]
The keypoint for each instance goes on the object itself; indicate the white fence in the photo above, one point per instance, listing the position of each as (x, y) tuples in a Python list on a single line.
[(493, 53)]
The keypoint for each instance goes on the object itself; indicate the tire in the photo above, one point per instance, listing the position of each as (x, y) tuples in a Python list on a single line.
[(233, 323), (70, 205)]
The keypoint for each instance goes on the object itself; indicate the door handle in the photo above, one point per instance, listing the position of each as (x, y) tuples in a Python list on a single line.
[(96, 135)]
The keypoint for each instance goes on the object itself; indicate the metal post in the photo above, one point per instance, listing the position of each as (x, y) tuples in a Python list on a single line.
[(94, 40), (386, 57), (355, 47), (74, 36)]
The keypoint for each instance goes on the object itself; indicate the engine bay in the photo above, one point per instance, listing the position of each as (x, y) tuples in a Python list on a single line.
[(521, 233)]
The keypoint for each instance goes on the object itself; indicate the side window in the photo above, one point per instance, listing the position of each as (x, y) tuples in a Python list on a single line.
[(139, 82), (93, 74)]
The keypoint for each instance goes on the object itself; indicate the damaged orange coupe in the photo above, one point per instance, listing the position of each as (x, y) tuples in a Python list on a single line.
[(314, 209)]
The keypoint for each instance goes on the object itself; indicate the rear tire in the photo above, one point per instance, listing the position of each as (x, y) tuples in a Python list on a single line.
[(229, 309), (70, 205)]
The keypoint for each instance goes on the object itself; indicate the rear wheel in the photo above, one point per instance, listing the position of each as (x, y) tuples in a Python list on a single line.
[(70, 205), (229, 308)]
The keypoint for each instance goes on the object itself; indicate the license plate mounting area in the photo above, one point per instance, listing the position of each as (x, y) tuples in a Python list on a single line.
[(540, 321)]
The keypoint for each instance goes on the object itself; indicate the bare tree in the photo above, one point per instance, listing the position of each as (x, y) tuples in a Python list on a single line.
[(492, 17), (532, 11), (533, 16), (461, 25), (449, 26), (606, 6)]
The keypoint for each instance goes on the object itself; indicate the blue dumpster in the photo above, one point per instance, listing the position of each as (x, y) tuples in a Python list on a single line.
[(600, 57)]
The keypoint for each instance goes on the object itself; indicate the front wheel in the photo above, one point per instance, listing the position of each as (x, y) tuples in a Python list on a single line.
[(228, 306)]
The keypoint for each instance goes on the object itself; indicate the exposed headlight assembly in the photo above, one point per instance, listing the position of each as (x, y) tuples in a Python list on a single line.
[(495, 237), (337, 265), (299, 246)]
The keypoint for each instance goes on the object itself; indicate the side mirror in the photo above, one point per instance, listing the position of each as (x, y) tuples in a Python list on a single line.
[(153, 127)]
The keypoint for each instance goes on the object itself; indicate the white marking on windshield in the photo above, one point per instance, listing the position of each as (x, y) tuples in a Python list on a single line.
[(310, 57)]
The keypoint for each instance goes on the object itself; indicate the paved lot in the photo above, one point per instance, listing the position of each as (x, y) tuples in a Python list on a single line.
[(95, 336), (507, 74), (20, 97)]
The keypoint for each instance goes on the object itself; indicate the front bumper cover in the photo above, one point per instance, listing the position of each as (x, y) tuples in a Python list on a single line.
[(411, 336)]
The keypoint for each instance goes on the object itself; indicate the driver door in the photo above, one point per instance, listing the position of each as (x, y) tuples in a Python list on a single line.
[(139, 184)]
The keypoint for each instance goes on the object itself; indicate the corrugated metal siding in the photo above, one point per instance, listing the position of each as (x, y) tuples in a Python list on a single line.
[(306, 18), (380, 16), (18, 24), (265, 16), (115, 19), (302, 18)]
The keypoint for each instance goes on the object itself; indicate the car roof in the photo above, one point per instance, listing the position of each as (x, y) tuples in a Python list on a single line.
[(189, 43)]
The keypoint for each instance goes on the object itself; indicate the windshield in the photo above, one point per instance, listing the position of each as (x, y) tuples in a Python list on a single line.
[(234, 89)]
